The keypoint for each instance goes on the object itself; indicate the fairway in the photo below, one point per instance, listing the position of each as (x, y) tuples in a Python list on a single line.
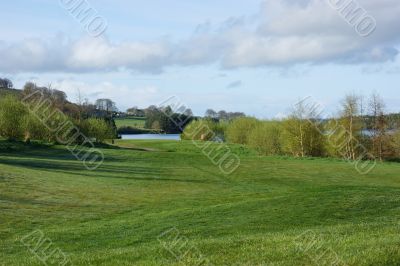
[(136, 122), (262, 214)]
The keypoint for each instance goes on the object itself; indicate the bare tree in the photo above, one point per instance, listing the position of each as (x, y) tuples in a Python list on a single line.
[(379, 125), (188, 112), (223, 115), (6, 83), (105, 105), (211, 113), (303, 131), (350, 120), (80, 103)]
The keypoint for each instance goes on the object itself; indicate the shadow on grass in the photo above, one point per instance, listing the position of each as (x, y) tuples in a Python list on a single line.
[(113, 172), (57, 159)]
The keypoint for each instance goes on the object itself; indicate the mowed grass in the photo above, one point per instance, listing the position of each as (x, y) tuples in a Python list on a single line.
[(259, 215), (135, 122)]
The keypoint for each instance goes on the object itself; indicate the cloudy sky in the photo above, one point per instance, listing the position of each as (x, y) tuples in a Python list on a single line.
[(254, 56)]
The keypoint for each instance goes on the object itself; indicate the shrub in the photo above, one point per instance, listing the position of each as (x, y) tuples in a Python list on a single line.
[(35, 129), (303, 137), (204, 129), (396, 144), (12, 118), (239, 129), (99, 129), (265, 138)]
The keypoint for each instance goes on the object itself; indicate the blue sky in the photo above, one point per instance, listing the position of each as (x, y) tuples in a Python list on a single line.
[(254, 56)]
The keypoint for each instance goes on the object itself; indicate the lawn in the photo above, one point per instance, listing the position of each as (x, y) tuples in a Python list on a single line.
[(135, 122), (165, 203)]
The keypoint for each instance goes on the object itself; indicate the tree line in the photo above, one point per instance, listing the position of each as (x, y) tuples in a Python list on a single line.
[(358, 131), (51, 106)]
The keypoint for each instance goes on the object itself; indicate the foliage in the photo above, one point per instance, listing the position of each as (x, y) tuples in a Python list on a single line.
[(203, 129), (223, 115), (99, 129), (396, 144), (12, 118), (35, 129), (238, 130), (5, 83), (266, 138), (165, 120)]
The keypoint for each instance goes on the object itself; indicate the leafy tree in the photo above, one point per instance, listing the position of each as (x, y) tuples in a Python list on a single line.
[(203, 129), (135, 111), (6, 83), (12, 118), (99, 129), (239, 129), (188, 112), (210, 113), (223, 115), (106, 105), (165, 120), (35, 129), (266, 138)]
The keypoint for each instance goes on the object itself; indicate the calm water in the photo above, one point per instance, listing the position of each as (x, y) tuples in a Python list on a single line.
[(153, 136)]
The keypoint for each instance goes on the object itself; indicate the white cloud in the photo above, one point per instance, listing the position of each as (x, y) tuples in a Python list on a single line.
[(284, 33), (125, 96)]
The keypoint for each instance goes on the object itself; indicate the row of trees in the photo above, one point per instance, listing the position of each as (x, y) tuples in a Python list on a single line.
[(6, 83), (305, 133), (222, 115), (166, 120), (34, 112)]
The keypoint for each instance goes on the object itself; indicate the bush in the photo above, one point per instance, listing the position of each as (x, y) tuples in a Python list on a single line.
[(204, 129), (99, 129), (396, 144), (35, 129), (12, 118), (265, 138), (239, 129)]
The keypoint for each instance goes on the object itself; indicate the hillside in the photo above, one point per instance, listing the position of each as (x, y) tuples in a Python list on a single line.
[(4, 91), (262, 214)]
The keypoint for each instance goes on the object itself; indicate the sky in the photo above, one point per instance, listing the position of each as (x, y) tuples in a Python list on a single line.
[(253, 56)]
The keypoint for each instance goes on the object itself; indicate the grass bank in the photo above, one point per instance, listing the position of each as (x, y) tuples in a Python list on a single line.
[(259, 215)]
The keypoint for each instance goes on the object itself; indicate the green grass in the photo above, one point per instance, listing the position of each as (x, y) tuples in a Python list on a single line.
[(114, 215), (135, 122)]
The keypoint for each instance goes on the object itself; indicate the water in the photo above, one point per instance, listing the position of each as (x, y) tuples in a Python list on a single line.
[(153, 136)]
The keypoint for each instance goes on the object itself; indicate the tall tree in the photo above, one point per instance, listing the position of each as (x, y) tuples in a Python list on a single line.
[(6, 83), (211, 113), (379, 125), (351, 124), (188, 112), (106, 105), (223, 115), (303, 131)]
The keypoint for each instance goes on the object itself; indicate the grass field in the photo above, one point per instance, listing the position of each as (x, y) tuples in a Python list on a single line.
[(135, 122), (262, 214)]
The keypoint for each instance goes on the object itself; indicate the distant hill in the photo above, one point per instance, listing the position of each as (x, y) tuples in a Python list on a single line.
[(5, 91)]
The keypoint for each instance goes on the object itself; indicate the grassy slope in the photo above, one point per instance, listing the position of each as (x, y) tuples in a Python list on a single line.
[(4, 92), (113, 216), (137, 122)]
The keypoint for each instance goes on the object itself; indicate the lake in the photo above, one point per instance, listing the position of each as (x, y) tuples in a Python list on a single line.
[(152, 136)]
